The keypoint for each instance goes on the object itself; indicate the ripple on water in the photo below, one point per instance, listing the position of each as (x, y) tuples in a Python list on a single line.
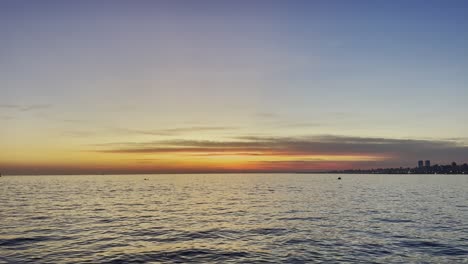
[(180, 256), (268, 231), (390, 220), (434, 248), (25, 240), (311, 219), (233, 219)]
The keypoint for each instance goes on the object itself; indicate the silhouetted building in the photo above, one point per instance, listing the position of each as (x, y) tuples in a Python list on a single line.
[(427, 163), (420, 164)]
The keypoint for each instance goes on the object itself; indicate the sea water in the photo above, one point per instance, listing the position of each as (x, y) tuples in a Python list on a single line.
[(234, 218)]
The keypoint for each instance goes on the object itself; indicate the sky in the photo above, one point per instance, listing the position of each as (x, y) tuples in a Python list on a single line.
[(231, 86)]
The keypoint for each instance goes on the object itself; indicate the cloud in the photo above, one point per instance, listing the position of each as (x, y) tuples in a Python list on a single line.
[(35, 107), (9, 106), (131, 131), (25, 108), (393, 152), (268, 115)]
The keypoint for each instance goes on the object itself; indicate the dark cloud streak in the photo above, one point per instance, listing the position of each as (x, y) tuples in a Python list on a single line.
[(396, 151)]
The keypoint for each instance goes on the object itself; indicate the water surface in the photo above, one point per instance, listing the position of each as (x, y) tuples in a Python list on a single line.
[(234, 218)]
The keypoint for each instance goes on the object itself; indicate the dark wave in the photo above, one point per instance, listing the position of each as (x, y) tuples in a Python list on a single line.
[(180, 256), (311, 218), (393, 220), (27, 240)]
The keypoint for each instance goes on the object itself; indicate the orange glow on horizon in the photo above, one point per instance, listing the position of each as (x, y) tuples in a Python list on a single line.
[(182, 162)]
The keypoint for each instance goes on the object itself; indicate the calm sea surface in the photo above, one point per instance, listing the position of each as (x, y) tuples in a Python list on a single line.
[(234, 218)]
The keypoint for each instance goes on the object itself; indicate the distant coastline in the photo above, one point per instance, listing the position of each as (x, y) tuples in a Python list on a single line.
[(452, 168)]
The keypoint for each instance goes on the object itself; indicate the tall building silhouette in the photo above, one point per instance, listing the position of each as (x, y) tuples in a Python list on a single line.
[(427, 163), (420, 164)]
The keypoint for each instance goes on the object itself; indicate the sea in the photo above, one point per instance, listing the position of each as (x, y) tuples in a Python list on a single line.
[(234, 218)]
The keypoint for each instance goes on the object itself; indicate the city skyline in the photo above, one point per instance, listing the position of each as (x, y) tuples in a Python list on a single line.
[(218, 86)]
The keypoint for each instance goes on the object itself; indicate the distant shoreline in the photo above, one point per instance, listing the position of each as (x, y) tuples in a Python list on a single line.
[(452, 168)]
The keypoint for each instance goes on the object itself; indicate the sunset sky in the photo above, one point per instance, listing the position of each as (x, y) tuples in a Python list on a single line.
[(231, 86)]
